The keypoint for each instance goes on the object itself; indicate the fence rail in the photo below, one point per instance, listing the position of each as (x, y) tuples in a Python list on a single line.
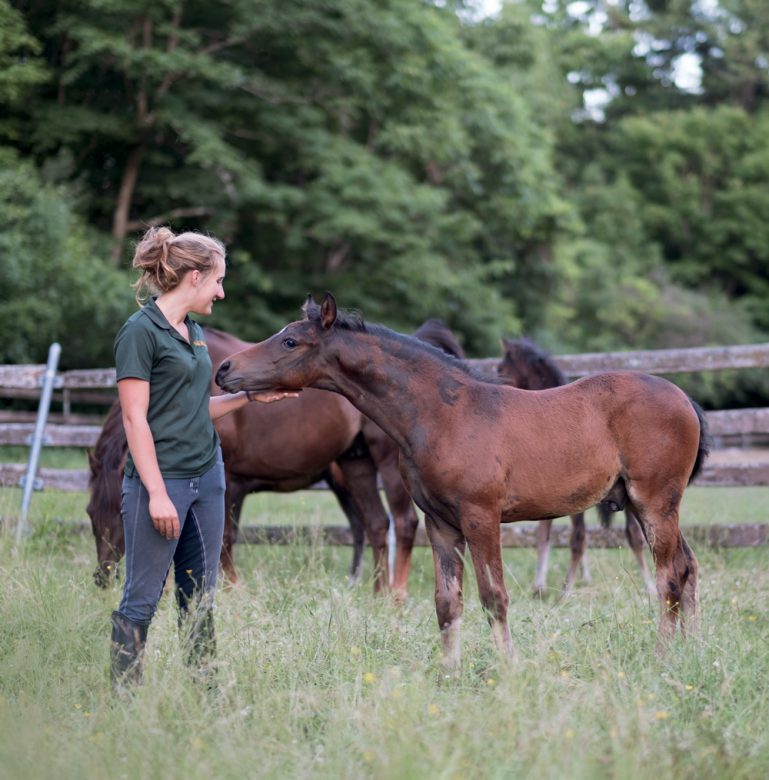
[(724, 424), (720, 423), (659, 361), (715, 473), (54, 435), (519, 535)]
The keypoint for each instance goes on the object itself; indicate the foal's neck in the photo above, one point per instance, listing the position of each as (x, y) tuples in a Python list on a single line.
[(397, 381)]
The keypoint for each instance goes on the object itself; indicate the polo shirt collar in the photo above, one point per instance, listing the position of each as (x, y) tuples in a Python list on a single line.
[(152, 310)]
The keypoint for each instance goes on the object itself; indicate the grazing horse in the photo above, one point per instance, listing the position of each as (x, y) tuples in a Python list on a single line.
[(278, 447), (475, 454), (526, 366)]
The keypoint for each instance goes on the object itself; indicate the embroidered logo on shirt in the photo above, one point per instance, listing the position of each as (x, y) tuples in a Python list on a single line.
[(198, 343)]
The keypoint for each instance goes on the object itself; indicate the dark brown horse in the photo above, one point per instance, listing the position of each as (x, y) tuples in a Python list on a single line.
[(526, 366), (278, 447), (474, 454)]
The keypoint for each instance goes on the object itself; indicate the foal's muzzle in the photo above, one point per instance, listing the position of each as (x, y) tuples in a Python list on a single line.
[(222, 372)]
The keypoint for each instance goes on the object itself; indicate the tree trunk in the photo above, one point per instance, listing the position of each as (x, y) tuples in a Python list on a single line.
[(124, 200)]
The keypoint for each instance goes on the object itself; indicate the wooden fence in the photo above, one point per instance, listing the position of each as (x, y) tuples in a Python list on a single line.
[(740, 425)]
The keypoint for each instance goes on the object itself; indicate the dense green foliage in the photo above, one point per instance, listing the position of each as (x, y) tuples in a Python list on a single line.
[(413, 157)]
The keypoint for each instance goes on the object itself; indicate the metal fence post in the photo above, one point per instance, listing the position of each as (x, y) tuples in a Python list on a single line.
[(28, 481)]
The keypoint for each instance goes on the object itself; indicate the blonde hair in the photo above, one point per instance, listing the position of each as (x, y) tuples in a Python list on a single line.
[(164, 258)]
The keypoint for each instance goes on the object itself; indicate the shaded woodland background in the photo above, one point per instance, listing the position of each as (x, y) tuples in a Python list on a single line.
[(592, 174)]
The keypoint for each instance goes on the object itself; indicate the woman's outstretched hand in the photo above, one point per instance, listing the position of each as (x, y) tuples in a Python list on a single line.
[(270, 396)]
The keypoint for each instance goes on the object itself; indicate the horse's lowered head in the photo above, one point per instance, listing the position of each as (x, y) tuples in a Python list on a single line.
[(106, 464), (288, 361)]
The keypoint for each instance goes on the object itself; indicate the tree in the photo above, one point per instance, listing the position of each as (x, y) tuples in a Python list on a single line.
[(53, 284), (354, 145), (21, 67)]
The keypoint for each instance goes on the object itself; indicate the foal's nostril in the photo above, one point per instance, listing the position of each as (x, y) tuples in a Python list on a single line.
[(223, 369)]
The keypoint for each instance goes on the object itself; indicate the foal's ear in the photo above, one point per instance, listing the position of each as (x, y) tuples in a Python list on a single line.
[(308, 305), (328, 311)]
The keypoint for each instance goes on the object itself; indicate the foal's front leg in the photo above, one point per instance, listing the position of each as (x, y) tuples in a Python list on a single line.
[(482, 531), (448, 545)]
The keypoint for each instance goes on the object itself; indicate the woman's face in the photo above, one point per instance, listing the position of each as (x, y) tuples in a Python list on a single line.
[(209, 288)]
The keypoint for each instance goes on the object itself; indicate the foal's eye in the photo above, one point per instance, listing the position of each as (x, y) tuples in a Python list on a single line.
[(289, 343)]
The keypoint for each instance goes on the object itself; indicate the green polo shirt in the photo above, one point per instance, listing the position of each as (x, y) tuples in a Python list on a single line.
[(179, 373)]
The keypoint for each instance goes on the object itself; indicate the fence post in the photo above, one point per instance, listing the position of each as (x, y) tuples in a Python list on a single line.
[(29, 479)]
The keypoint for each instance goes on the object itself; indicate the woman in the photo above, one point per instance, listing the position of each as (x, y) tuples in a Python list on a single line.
[(173, 488)]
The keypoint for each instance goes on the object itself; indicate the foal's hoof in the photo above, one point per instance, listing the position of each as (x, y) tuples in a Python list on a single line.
[(399, 596), (103, 576), (230, 582), (538, 592), (354, 580)]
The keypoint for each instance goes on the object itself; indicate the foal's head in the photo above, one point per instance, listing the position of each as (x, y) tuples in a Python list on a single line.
[(526, 366), (291, 359), (437, 333)]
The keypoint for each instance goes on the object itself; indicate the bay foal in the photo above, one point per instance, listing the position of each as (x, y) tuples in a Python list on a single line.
[(526, 366), (474, 454)]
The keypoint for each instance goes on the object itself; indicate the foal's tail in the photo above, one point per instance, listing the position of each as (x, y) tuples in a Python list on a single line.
[(605, 515), (705, 441)]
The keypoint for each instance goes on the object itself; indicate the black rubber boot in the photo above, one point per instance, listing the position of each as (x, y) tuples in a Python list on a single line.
[(127, 652)]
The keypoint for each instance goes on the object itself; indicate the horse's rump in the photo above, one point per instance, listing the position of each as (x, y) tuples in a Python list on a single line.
[(577, 441)]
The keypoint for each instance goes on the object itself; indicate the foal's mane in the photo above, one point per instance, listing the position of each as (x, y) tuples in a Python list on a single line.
[(407, 345)]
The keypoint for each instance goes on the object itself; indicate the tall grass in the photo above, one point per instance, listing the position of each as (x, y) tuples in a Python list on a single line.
[(317, 680)]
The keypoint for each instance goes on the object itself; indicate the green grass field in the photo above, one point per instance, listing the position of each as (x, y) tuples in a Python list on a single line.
[(317, 680)]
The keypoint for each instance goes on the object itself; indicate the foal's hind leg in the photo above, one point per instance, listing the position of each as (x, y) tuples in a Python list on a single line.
[(656, 506), (578, 546), (406, 522), (448, 546), (686, 563), (234, 495), (357, 525), (543, 554), (637, 544), (360, 478)]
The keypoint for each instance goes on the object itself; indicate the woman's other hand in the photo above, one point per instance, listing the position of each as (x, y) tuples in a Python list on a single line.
[(164, 516)]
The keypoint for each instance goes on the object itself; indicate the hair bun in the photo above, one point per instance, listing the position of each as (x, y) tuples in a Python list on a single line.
[(164, 257), (162, 235)]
